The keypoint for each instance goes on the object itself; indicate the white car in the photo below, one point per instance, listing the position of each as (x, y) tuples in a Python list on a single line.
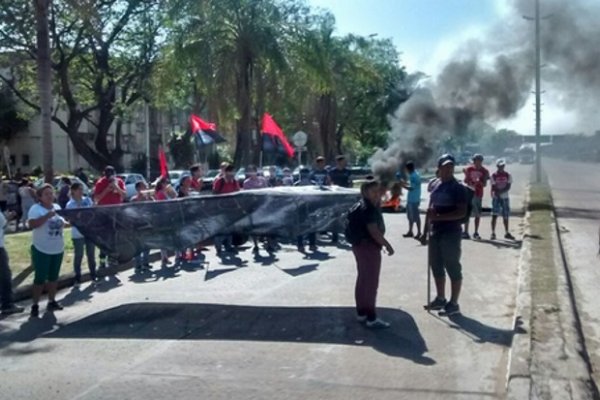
[(130, 181), (175, 175)]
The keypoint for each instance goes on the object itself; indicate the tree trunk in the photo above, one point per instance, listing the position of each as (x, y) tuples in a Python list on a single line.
[(243, 149), (327, 125), (44, 75)]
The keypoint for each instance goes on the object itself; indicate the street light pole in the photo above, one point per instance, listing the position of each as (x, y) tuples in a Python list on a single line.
[(538, 66)]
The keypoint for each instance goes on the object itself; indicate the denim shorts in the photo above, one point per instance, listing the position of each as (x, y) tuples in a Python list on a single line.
[(501, 207), (476, 210)]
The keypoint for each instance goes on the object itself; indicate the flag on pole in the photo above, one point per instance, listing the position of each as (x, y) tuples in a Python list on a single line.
[(205, 133), (273, 137), (162, 159)]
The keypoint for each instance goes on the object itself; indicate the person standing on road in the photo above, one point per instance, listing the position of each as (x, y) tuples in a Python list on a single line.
[(225, 184), (413, 200), (161, 194), (80, 242), (319, 174), (476, 177), (47, 248), (340, 176), (109, 190), (501, 182), (287, 179), (7, 306), (448, 207), (28, 199), (196, 176), (142, 259), (366, 230)]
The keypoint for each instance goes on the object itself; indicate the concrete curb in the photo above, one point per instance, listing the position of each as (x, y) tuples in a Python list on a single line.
[(518, 378), (548, 372), (25, 292)]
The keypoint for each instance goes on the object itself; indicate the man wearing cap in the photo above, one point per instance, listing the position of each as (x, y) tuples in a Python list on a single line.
[(319, 174), (476, 177), (448, 206), (501, 182)]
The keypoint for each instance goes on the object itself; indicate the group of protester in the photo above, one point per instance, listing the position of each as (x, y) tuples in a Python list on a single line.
[(448, 210)]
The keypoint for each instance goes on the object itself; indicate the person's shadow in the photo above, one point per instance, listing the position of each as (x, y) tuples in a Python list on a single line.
[(191, 321), (30, 330), (482, 333)]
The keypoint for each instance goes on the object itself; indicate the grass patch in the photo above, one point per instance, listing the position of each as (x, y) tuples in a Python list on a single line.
[(18, 247)]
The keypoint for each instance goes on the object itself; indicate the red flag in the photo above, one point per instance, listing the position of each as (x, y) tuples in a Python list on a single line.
[(270, 128), (162, 159), (198, 124)]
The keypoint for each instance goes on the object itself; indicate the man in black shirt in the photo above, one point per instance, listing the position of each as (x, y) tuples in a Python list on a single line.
[(340, 175)]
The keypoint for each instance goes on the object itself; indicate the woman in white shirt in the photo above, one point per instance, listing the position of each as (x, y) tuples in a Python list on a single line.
[(47, 248)]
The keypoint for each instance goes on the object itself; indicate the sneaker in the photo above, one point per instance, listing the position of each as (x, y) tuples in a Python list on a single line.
[(12, 309), (509, 236), (35, 311), (377, 324), (450, 309), (465, 235), (361, 318), (476, 236), (255, 250), (408, 235), (418, 236), (312, 247), (493, 237), (300, 248), (147, 266), (437, 304), (54, 305)]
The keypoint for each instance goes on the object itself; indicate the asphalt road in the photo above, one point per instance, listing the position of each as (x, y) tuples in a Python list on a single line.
[(576, 193), (280, 328)]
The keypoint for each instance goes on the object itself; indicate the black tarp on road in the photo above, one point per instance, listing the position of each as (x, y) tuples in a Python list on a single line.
[(122, 231)]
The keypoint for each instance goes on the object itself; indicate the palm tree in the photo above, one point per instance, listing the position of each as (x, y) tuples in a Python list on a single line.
[(44, 74)]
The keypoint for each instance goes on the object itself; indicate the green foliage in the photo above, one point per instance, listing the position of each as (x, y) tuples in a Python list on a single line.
[(11, 121), (181, 148)]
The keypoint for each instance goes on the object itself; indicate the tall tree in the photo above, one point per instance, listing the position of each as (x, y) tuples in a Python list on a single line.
[(102, 55), (44, 75)]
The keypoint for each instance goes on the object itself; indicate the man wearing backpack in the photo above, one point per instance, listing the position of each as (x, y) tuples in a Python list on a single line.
[(365, 231), (448, 207)]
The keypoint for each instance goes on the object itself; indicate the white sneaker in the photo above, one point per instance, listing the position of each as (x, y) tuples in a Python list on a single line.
[(378, 324)]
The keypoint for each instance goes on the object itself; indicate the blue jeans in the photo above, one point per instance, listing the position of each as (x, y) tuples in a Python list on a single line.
[(5, 280), (90, 251)]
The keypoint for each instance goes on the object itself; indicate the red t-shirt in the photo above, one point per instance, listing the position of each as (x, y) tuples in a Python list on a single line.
[(223, 186), (476, 178), (160, 196), (500, 181), (196, 184), (110, 197)]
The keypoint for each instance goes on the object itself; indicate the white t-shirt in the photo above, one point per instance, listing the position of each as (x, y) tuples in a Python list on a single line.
[(2, 226), (47, 238)]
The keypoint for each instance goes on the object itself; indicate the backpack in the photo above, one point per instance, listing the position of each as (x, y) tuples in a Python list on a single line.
[(354, 231)]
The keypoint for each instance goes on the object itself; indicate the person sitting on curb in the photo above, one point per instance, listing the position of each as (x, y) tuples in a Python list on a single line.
[(365, 232), (447, 209), (501, 182), (7, 306)]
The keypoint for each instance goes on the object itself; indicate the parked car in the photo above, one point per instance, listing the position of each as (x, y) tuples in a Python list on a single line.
[(56, 183), (209, 178), (130, 181), (175, 175)]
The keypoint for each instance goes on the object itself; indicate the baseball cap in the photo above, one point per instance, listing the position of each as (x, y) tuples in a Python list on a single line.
[(340, 157), (500, 162), (477, 157), (320, 158), (446, 159)]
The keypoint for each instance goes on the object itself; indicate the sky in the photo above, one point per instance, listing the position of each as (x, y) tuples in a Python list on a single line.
[(427, 32)]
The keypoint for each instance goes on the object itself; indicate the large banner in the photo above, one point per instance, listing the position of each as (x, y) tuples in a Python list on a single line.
[(122, 231)]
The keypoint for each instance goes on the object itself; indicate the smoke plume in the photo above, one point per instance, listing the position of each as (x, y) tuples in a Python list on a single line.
[(491, 80)]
